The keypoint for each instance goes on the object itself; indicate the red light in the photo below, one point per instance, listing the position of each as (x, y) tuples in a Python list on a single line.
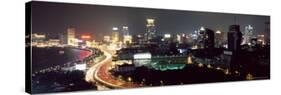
[(86, 37)]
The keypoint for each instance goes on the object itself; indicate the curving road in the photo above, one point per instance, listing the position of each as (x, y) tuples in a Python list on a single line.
[(99, 74)]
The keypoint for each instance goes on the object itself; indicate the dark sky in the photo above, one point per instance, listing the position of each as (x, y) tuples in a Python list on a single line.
[(57, 17)]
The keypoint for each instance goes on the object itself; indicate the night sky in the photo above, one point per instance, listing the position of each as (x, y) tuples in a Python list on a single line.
[(55, 18)]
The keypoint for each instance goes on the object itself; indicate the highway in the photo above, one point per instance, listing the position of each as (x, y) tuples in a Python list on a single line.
[(99, 74)]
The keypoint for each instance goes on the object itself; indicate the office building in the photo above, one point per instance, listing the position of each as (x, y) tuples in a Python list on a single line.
[(234, 38)]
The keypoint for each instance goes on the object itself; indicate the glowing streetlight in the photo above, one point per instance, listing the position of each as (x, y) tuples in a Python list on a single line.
[(226, 72), (209, 66), (249, 76), (129, 79), (119, 77), (161, 82), (200, 65), (237, 72)]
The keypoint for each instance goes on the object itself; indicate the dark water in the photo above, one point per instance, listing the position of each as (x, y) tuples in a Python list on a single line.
[(46, 57), (57, 80)]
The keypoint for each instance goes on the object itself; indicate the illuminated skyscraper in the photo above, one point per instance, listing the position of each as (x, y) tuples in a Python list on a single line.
[(71, 36), (126, 36), (220, 38), (247, 34), (127, 39), (206, 38), (260, 40), (139, 39), (151, 30), (115, 35), (178, 37), (200, 38), (195, 36), (125, 30), (167, 38), (106, 39)]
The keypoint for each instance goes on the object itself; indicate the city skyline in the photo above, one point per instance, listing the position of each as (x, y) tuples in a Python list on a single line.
[(99, 20), (93, 47)]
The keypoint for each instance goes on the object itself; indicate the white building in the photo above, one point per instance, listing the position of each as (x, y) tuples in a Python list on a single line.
[(71, 36), (247, 34)]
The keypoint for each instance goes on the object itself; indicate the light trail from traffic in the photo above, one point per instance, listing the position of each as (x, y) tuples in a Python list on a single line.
[(99, 73)]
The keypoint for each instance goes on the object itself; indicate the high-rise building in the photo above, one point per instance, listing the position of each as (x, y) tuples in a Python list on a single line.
[(178, 38), (247, 34), (181, 38), (234, 38), (168, 38), (139, 39), (71, 36), (115, 35), (195, 36), (260, 40), (126, 35), (220, 38), (125, 30), (209, 38), (127, 39), (106, 39), (62, 38), (267, 32), (151, 30), (200, 38), (206, 38)]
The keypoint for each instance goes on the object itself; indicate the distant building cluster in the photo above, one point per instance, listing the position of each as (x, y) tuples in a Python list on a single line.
[(121, 38), (68, 38), (207, 46)]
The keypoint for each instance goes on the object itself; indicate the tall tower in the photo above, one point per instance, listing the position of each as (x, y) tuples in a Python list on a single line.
[(234, 38), (115, 35), (71, 36), (220, 38), (209, 39), (151, 30), (106, 39), (200, 37), (247, 34), (267, 32), (125, 30)]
